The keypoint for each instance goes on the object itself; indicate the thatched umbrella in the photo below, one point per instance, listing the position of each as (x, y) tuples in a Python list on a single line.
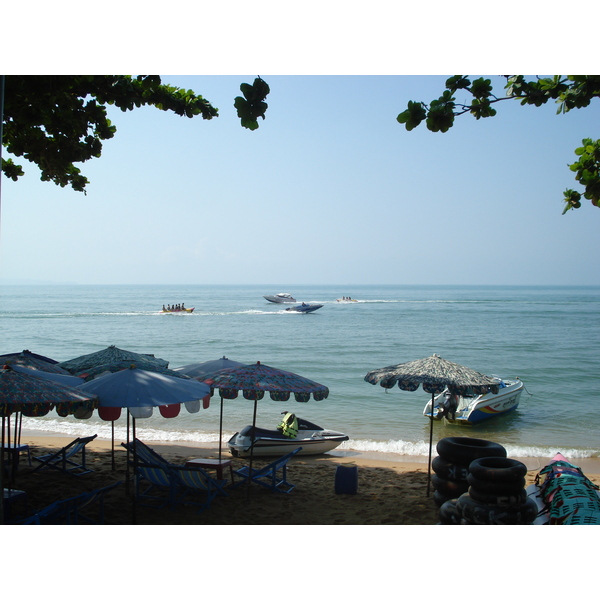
[(435, 375), (110, 355)]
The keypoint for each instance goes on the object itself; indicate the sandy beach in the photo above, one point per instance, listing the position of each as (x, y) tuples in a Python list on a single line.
[(391, 491)]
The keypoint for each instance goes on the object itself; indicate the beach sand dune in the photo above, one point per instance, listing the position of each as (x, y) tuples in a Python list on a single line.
[(389, 493)]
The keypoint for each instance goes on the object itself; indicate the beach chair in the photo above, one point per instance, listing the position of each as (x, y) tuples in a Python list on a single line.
[(72, 511), (61, 459), (268, 477), (156, 486), (145, 454), (194, 481)]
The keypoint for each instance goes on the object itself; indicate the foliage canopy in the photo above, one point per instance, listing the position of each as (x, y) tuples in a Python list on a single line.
[(572, 91), (57, 121)]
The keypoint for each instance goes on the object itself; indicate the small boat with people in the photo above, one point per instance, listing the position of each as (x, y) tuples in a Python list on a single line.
[(280, 298), (304, 308), (176, 308), (346, 299), (474, 408), (291, 433)]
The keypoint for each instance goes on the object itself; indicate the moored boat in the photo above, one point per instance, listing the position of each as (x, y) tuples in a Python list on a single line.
[(273, 442), (280, 298), (304, 308), (474, 408)]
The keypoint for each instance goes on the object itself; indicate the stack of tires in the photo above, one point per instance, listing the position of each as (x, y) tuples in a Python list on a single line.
[(496, 494), (451, 471)]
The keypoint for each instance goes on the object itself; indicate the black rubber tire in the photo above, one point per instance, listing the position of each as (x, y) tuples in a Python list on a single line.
[(449, 514), (440, 499), (478, 513), (464, 450), (497, 488), (449, 470), (449, 488), (511, 499), (493, 468)]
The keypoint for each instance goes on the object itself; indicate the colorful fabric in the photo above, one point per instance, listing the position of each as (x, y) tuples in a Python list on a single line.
[(255, 380)]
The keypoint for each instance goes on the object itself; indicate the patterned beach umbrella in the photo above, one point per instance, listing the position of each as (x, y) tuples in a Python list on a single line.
[(65, 379), (199, 370), (254, 380), (434, 374), (28, 360), (30, 354), (35, 396), (110, 355)]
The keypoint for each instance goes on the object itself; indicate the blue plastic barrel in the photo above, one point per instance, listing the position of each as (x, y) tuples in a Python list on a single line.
[(346, 480)]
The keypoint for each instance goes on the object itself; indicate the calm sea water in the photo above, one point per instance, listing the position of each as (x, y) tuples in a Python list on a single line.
[(547, 336)]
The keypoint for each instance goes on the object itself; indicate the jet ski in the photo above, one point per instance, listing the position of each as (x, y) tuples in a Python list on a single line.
[(274, 442)]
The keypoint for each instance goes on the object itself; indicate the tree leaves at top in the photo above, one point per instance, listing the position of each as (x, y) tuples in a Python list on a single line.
[(56, 121), (253, 104), (572, 91)]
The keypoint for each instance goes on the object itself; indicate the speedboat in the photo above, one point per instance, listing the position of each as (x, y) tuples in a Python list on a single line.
[(280, 298), (271, 442), (178, 310), (304, 308), (473, 408)]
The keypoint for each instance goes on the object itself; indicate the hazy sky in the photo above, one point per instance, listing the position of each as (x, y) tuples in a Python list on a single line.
[(329, 189)]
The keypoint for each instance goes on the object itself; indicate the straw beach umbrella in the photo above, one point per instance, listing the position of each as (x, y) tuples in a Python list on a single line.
[(110, 355), (435, 374)]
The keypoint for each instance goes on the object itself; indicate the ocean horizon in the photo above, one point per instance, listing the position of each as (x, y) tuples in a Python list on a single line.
[(548, 336)]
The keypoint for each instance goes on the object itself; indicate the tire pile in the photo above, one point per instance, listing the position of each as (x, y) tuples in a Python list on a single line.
[(476, 484)]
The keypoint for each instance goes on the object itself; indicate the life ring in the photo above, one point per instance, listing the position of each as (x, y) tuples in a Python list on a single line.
[(449, 488), (498, 488), (512, 499), (494, 468), (479, 513), (449, 470), (464, 450)]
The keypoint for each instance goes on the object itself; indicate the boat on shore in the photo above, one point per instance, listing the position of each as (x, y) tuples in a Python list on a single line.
[(177, 310), (272, 442), (474, 408), (280, 298), (304, 308)]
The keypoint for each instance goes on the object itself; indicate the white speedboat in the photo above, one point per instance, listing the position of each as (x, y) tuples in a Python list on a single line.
[(271, 442), (304, 308), (280, 298), (475, 408)]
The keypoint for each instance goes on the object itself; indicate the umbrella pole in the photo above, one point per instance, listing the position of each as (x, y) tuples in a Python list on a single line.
[(430, 445), (251, 450), (112, 427), (2, 475), (127, 470), (134, 503), (220, 429)]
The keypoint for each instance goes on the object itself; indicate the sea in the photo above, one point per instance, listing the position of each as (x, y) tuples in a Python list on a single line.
[(547, 336)]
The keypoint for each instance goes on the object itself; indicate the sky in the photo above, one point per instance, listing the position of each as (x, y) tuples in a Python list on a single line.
[(329, 190)]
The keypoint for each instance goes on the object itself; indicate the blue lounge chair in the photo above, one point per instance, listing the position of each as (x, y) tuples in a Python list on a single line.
[(194, 482), (155, 485), (267, 476), (71, 510), (61, 459), (144, 453)]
